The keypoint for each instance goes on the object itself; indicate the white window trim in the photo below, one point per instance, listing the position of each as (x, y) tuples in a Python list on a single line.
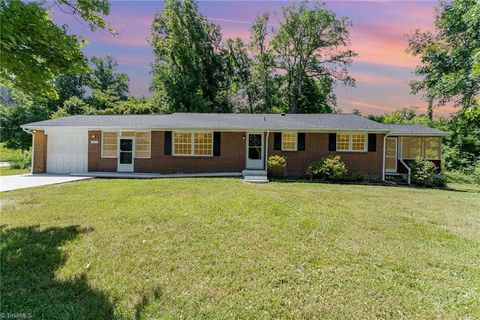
[(296, 141), (192, 154), (150, 152), (350, 142), (101, 140)]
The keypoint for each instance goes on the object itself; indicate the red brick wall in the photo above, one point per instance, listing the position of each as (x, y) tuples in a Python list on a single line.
[(40, 152), (231, 159), (95, 160), (316, 148)]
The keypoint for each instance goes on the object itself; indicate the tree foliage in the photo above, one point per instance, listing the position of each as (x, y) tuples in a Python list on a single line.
[(284, 70), (460, 148), (263, 64), (107, 85), (240, 66), (189, 68), (311, 43), (35, 51), (449, 69)]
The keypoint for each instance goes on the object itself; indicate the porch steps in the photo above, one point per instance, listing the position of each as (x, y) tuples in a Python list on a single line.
[(395, 178), (255, 176)]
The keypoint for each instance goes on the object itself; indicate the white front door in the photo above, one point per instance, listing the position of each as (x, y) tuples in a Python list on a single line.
[(391, 155), (125, 155), (255, 151)]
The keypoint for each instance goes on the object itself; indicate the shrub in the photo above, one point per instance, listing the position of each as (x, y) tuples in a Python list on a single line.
[(329, 169), (425, 174), (459, 177), (276, 166), (356, 176), (20, 160), (476, 173)]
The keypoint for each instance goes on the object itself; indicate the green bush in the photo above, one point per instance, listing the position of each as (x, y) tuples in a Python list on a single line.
[(276, 167), (20, 160), (476, 173), (459, 177), (356, 176), (329, 169), (425, 174)]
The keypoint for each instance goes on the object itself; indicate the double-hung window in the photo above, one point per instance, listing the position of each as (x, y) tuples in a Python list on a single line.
[(142, 144), (193, 143), (351, 142), (109, 144), (289, 141)]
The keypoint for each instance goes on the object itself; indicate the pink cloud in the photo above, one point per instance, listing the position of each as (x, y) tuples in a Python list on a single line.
[(371, 78)]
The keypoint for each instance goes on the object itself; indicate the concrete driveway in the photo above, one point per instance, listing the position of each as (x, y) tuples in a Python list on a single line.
[(8, 183)]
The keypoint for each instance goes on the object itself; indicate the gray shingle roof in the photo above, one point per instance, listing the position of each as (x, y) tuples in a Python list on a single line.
[(217, 121), (412, 129), (233, 121)]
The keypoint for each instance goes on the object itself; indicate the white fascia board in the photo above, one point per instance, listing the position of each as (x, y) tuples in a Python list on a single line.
[(418, 134), (203, 128)]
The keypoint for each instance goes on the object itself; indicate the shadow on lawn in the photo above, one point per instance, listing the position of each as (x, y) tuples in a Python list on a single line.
[(29, 258)]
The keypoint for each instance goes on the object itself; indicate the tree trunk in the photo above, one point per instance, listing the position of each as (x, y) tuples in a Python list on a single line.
[(430, 109), (298, 95), (267, 96)]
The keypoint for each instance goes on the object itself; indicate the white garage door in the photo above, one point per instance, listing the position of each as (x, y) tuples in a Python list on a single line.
[(67, 151)]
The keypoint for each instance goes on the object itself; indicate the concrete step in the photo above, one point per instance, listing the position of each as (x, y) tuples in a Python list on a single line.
[(255, 179), (250, 172)]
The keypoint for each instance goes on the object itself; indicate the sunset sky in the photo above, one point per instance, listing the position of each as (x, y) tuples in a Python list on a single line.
[(382, 70)]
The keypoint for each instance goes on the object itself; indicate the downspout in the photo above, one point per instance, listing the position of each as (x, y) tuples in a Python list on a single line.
[(266, 150), (384, 153), (29, 131)]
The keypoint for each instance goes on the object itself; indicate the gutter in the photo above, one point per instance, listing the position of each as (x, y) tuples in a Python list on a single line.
[(384, 153), (30, 131), (266, 150), (229, 129)]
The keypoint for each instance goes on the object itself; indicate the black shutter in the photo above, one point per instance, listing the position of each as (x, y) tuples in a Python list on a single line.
[(216, 143), (332, 142), (372, 142), (301, 141), (168, 143), (277, 144)]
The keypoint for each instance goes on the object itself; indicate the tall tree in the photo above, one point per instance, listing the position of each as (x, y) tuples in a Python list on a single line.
[(35, 50), (317, 96), (263, 63), (241, 66), (188, 72), (17, 109), (449, 56), (108, 86), (68, 86), (311, 42)]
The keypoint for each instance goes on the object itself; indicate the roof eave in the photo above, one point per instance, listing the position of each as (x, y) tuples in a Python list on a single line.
[(418, 134), (40, 127)]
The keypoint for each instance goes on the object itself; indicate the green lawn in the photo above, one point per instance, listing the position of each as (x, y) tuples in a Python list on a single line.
[(7, 171), (6, 154), (221, 248)]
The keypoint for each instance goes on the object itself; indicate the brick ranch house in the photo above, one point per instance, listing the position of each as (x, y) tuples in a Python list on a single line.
[(226, 143)]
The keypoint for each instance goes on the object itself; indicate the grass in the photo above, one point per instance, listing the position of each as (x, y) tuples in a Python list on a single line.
[(220, 248), (6, 154), (7, 171)]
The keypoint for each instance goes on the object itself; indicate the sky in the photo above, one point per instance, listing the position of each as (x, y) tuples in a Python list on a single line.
[(379, 32)]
